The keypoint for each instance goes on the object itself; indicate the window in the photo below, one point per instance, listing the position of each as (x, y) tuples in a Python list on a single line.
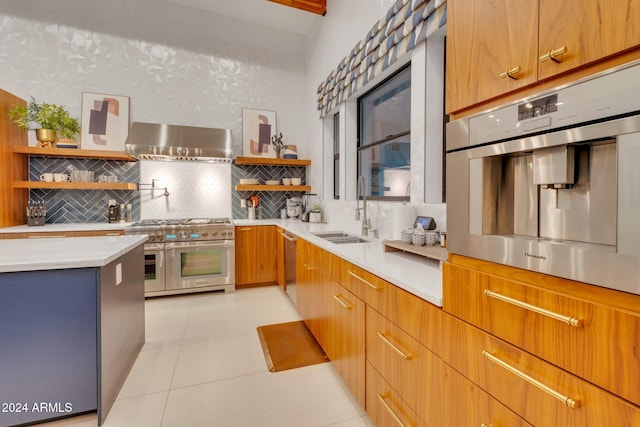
[(384, 134), (336, 156)]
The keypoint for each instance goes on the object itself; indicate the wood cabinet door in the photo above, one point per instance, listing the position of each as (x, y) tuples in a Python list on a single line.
[(408, 366), (595, 336), (346, 336), (589, 29), (485, 39), (538, 391), (385, 406), (255, 255), (280, 275)]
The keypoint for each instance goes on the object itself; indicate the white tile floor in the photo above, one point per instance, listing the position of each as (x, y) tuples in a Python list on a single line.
[(202, 365)]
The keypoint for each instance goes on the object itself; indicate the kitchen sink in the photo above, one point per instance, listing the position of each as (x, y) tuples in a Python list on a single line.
[(340, 237)]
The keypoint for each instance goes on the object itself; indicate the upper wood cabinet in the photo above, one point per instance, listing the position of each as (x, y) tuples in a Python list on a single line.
[(588, 29), (495, 47), (491, 49)]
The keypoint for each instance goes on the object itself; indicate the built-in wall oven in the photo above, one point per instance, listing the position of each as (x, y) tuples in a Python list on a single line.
[(192, 255), (551, 183)]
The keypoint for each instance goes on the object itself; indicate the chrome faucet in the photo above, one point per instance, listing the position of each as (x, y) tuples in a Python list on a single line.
[(366, 222)]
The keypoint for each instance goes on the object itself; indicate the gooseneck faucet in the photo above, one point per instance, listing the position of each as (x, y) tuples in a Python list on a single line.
[(366, 222)]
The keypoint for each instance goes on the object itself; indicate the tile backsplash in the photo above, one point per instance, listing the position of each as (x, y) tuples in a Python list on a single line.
[(270, 201), (83, 206)]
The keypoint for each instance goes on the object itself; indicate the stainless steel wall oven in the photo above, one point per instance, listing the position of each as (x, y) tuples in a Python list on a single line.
[(552, 183)]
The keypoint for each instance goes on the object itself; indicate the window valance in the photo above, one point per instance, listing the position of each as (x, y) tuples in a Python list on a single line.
[(405, 25)]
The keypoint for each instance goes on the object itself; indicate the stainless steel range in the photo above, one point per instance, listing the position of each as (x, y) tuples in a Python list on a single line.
[(187, 255)]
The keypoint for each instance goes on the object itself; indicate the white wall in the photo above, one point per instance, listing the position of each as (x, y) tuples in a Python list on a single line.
[(178, 66), (345, 24)]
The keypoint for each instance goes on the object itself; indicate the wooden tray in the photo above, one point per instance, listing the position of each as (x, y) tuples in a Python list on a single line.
[(434, 252)]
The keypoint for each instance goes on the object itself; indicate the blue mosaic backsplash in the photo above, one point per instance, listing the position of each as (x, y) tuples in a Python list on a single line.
[(270, 201), (83, 206)]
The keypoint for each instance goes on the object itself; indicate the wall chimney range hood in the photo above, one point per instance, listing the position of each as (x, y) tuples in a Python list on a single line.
[(152, 141)]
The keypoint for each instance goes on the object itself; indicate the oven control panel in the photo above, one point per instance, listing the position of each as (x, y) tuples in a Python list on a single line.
[(197, 234)]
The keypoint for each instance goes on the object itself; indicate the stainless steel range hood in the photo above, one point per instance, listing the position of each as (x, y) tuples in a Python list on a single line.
[(170, 142)]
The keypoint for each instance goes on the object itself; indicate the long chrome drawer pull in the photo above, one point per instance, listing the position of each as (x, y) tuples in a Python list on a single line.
[(366, 282), (390, 411), (571, 321), (246, 229), (571, 403), (393, 347), (342, 303), (485, 425)]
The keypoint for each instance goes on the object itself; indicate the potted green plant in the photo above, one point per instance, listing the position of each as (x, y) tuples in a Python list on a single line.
[(48, 120)]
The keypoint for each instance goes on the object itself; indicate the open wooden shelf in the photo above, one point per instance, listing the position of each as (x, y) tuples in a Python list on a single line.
[(256, 187), (271, 162), (74, 152), (76, 185)]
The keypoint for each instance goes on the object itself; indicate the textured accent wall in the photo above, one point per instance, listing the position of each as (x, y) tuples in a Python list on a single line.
[(270, 201), (205, 84), (196, 190), (83, 206)]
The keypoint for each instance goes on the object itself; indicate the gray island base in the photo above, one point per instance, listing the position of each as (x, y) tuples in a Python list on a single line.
[(68, 337)]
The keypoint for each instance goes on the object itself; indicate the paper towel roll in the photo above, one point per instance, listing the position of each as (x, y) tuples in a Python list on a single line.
[(402, 217)]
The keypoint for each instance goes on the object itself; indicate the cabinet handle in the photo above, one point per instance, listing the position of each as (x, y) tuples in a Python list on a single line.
[(553, 55), (246, 229), (338, 298), (485, 425), (511, 73), (389, 410), (289, 238), (393, 347), (113, 234), (568, 401), (571, 321), (366, 282)]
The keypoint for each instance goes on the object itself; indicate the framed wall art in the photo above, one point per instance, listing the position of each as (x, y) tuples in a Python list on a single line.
[(105, 121), (258, 126)]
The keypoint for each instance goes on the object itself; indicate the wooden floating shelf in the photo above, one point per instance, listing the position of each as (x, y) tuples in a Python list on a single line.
[(256, 187), (76, 185), (434, 252), (74, 152), (271, 161)]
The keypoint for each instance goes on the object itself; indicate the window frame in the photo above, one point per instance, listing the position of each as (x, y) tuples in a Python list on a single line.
[(387, 138)]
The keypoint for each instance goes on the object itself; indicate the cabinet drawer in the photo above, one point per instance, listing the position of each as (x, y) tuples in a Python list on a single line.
[(466, 404), (384, 406), (592, 338), (541, 393), (414, 315), (405, 364)]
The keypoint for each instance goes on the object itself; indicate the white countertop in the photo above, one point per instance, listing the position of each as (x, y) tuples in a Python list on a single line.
[(61, 253), (58, 228), (416, 274)]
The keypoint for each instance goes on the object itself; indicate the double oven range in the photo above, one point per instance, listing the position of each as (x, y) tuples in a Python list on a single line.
[(190, 255)]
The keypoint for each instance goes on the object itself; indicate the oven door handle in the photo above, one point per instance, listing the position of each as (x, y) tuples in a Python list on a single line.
[(199, 245)]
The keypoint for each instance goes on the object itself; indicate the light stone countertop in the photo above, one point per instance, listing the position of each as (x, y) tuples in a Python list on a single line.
[(58, 228), (416, 274), (61, 253)]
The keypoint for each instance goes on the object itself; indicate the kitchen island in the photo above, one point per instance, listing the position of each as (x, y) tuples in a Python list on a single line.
[(71, 324)]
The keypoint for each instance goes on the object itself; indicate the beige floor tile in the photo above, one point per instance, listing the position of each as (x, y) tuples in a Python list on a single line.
[(214, 360), (141, 411), (152, 372), (307, 397)]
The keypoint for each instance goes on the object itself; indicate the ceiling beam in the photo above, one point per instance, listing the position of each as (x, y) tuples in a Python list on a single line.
[(314, 6)]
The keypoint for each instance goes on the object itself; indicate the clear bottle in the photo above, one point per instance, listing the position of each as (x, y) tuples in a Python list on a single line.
[(122, 213), (128, 216)]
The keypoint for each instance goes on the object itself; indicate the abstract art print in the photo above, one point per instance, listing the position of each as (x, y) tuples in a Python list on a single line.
[(258, 126), (105, 121)]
